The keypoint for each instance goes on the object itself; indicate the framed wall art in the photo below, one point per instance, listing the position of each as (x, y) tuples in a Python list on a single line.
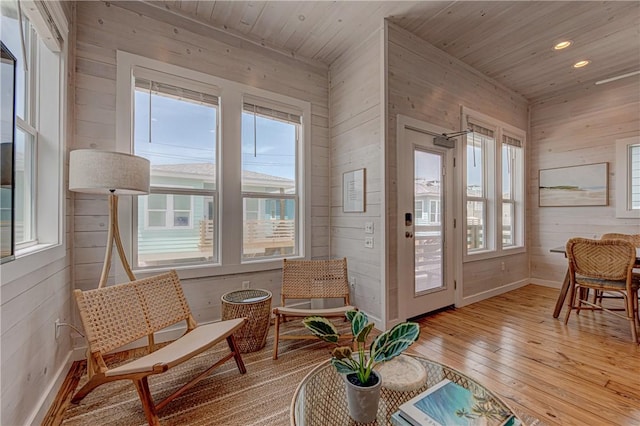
[(353, 191), (572, 186)]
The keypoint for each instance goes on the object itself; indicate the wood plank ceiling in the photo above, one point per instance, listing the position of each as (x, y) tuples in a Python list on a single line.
[(509, 41)]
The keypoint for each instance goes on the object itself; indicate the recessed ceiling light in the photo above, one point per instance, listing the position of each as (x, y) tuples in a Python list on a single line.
[(581, 64), (562, 45)]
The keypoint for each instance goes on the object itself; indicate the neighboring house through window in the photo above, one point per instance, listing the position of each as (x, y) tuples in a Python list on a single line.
[(195, 214)]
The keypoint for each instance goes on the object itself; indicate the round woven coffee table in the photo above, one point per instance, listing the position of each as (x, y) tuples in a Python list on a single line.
[(255, 304)]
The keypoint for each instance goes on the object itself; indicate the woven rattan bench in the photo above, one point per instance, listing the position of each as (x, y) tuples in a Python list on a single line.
[(117, 315)]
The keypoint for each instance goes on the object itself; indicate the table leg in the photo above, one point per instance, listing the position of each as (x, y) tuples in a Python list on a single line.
[(563, 294)]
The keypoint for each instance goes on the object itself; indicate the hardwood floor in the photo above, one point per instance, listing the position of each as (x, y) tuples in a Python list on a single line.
[(584, 373)]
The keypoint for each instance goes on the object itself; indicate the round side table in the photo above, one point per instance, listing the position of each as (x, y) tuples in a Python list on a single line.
[(255, 304)]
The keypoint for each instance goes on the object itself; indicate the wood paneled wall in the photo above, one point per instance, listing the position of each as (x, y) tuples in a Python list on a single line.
[(139, 28), (427, 84), (577, 128), (357, 142)]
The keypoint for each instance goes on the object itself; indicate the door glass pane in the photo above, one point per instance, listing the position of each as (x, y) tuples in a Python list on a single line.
[(428, 229)]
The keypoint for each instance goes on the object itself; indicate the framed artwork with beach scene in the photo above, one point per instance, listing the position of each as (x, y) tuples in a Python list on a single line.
[(583, 185)]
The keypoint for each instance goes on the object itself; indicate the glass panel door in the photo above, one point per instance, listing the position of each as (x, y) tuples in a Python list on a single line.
[(428, 224)]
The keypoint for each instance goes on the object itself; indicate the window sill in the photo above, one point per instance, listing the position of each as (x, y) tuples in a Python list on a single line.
[(202, 271), (484, 255), (31, 259)]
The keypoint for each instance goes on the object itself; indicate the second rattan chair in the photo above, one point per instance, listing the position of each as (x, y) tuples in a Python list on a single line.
[(311, 279), (603, 265)]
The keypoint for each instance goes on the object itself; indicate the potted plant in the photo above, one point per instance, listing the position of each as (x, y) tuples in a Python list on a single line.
[(361, 380)]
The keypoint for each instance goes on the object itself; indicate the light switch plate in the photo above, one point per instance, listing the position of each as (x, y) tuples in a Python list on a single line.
[(368, 227), (368, 242)]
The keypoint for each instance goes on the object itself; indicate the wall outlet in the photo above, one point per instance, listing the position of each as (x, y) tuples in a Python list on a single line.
[(502, 268), (352, 282), (368, 242), (245, 284), (368, 227)]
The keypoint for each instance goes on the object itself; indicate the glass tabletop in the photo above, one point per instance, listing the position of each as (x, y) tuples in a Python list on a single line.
[(246, 296), (320, 399)]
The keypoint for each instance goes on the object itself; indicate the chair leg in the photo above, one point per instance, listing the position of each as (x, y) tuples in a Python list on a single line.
[(570, 302), (142, 386), (632, 302), (231, 341), (276, 337), (93, 383)]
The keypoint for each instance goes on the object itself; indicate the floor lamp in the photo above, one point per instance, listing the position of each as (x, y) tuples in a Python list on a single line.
[(114, 173)]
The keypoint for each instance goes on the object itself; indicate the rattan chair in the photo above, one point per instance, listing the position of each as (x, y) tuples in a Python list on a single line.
[(633, 239), (311, 279), (603, 265)]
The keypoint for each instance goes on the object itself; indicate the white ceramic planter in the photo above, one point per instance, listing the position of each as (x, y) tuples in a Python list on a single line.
[(363, 401)]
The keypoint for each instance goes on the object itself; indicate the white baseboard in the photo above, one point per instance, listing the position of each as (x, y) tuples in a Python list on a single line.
[(493, 292), (546, 283), (49, 396)]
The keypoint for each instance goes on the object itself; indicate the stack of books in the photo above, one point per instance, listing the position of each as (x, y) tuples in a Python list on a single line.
[(449, 404)]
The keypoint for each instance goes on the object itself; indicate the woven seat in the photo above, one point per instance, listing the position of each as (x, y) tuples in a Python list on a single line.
[(603, 265), (311, 279), (121, 314)]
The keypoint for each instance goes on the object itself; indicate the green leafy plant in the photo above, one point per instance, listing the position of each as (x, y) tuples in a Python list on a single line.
[(386, 346)]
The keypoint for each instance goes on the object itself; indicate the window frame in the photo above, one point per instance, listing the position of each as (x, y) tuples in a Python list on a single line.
[(493, 196), (48, 118), (231, 95), (623, 178)]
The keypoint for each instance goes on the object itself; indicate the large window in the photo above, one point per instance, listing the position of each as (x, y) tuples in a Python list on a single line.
[(26, 132), (36, 41), (494, 176), (269, 191), (175, 128), (227, 169), (628, 178)]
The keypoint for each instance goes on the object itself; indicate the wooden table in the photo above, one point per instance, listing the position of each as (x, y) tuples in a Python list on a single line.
[(320, 399), (565, 284)]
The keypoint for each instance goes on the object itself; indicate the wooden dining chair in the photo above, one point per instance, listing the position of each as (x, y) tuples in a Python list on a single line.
[(308, 280), (633, 239), (603, 265)]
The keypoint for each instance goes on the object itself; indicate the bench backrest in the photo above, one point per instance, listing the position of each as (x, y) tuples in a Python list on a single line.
[(117, 315)]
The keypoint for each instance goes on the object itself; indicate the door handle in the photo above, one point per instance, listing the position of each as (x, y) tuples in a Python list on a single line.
[(408, 234)]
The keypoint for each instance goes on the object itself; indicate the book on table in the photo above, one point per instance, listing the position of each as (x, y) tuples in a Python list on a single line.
[(449, 404)]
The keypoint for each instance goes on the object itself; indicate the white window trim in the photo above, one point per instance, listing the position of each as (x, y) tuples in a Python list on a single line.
[(233, 94), (493, 216), (50, 164), (623, 174)]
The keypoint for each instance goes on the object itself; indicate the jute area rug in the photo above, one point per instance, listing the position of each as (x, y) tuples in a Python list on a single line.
[(262, 396)]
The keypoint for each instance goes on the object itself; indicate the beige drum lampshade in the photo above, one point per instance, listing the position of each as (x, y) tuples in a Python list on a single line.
[(103, 172)]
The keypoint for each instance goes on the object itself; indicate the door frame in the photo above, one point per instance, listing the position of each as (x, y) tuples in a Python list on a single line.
[(454, 266)]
